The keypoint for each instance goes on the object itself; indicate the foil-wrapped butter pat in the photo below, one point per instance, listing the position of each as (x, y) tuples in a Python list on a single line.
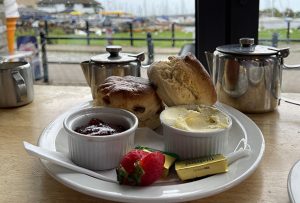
[(204, 166)]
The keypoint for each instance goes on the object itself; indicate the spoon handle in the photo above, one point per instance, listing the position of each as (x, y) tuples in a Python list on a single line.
[(61, 160)]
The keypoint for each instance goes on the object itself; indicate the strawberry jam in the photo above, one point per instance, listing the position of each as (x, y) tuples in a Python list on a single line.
[(96, 127)]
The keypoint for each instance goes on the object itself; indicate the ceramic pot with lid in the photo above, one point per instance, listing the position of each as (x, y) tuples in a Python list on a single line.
[(116, 63), (248, 76)]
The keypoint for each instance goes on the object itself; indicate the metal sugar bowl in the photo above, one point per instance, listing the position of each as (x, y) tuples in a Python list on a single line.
[(248, 76), (116, 63)]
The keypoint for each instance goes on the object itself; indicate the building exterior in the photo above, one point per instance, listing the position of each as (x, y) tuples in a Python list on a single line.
[(57, 6), (27, 3)]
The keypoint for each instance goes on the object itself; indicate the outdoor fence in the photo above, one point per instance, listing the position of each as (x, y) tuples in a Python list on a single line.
[(131, 37), (275, 40), (45, 38), (275, 37)]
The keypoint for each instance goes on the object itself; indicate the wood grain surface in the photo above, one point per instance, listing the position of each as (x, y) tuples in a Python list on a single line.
[(24, 179)]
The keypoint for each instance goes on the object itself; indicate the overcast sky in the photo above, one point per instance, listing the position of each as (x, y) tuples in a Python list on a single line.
[(151, 7), (173, 7), (281, 5)]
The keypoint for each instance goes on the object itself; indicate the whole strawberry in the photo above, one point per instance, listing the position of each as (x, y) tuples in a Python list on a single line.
[(140, 168), (127, 166), (150, 168)]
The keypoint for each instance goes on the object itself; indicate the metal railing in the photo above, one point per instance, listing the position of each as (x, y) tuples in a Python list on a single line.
[(131, 37), (275, 42), (44, 39)]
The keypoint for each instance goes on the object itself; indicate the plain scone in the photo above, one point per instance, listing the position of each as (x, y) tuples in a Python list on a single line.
[(134, 94), (182, 80)]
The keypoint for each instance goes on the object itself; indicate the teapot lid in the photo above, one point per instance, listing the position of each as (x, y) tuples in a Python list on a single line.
[(114, 55), (247, 47)]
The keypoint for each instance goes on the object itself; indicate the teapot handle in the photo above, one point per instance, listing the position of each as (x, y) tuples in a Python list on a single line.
[(145, 66), (284, 52), (290, 67), (140, 56)]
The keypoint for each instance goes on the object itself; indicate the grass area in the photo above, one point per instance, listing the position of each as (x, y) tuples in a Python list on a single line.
[(137, 43), (267, 34), (263, 34)]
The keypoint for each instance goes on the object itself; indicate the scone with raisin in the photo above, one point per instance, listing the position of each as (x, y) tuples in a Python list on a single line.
[(134, 94)]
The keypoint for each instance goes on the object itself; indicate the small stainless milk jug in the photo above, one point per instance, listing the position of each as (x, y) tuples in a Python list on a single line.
[(16, 84)]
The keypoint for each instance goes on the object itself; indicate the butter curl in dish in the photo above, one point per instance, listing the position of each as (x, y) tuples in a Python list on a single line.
[(193, 131)]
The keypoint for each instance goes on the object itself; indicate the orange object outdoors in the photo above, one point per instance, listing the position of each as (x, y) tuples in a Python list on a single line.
[(10, 30)]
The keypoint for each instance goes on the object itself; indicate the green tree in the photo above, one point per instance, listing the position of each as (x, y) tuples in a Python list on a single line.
[(269, 12), (289, 13), (297, 14)]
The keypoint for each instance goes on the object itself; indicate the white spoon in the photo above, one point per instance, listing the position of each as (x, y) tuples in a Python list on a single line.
[(61, 160)]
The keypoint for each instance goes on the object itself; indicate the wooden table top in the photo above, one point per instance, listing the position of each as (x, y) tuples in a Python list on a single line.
[(24, 179)]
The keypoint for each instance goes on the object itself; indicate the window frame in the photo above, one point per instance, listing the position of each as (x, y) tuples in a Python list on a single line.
[(220, 22)]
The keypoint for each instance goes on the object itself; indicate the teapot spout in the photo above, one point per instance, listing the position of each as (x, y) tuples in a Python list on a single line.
[(209, 59), (85, 66)]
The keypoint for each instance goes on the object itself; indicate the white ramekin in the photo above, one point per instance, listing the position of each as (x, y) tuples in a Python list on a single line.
[(190, 145), (100, 152)]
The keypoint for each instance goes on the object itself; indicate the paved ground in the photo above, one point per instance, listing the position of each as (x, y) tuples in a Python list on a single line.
[(63, 74)]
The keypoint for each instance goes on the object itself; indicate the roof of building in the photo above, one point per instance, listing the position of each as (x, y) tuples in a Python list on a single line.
[(31, 3)]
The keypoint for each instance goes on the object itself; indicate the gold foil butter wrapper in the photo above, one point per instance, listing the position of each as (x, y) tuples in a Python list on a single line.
[(170, 158), (204, 166)]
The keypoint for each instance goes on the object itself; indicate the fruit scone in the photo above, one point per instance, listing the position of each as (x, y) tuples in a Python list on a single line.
[(134, 94)]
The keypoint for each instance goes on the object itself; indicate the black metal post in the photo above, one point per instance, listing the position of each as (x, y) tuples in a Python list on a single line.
[(47, 31), (131, 33), (44, 55), (173, 34), (275, 37), (46, 28), (87, 30), (150, 48), (288, 31)]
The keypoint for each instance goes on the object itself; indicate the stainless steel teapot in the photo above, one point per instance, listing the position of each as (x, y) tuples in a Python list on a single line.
[(248, 76), (116, 63)]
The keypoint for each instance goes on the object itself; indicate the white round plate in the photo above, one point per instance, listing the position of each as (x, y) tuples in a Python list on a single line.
[(293, 183), (54, 138)]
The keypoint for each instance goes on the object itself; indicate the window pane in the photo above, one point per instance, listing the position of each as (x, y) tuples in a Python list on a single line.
[(158, 28), (279, 25)]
